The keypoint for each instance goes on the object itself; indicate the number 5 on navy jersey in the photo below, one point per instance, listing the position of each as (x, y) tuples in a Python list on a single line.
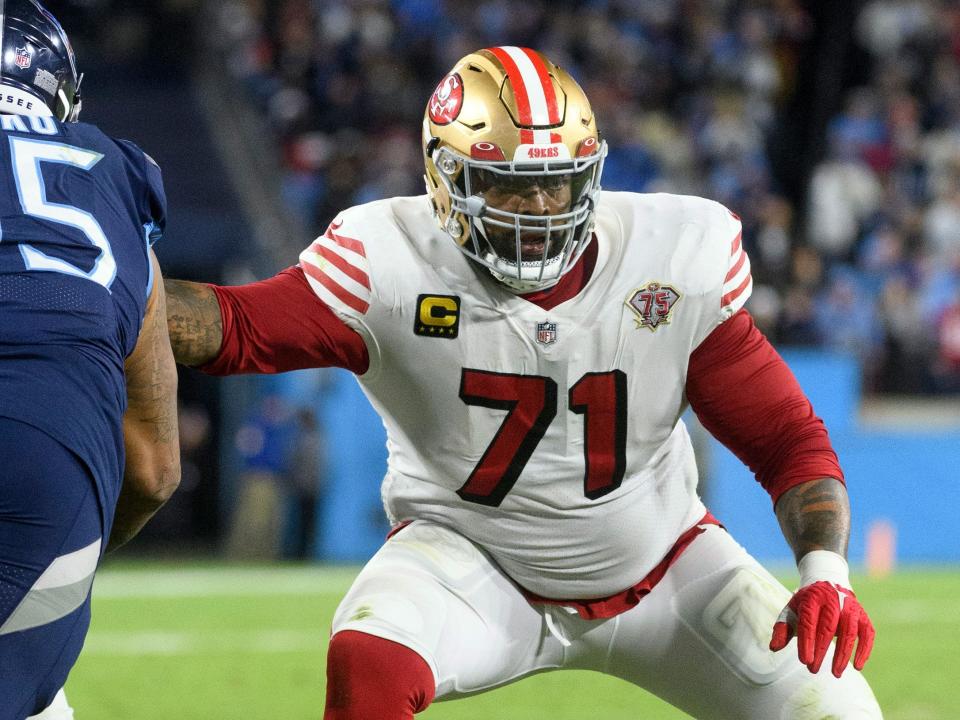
[(26, 158)]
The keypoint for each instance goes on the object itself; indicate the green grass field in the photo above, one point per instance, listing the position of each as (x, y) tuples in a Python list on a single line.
[(220, 642)]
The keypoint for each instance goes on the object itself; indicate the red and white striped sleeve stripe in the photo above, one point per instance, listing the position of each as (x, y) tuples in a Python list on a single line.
[(534, 92), (738, 283), (337, 269)]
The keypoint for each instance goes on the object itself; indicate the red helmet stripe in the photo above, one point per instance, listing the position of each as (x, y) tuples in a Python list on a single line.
[(516, 82), (553, 112)]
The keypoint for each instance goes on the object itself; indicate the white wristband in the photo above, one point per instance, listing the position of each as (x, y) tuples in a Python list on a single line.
[(824, 565)]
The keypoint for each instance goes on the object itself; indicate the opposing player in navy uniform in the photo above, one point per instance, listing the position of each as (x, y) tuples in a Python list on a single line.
[(88, 434)]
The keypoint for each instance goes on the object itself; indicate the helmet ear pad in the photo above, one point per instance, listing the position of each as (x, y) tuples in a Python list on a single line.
[(36, 58)]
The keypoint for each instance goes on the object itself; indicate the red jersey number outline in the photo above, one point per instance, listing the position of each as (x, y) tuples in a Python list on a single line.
[(531, 405)]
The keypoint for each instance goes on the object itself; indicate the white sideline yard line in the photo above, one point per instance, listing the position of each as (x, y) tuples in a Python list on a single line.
[(915, 612), (166, 644), (264, 581), (214, 581)]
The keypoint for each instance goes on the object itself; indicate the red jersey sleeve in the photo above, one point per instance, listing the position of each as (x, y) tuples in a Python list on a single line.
[(279, 324), (746, 396)]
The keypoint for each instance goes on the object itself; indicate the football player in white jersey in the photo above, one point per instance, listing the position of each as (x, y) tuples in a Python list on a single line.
[(531, 344)]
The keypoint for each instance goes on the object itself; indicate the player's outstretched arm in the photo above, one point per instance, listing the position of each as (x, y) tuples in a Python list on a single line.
[(194, 322), (269, 326), (150, 434), (815, 519)]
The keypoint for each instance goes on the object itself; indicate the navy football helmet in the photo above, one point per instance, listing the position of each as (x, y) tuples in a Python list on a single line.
[(37, 63)]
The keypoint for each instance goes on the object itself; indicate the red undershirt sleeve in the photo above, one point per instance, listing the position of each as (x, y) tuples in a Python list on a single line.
[(279, 324), (746, 396)]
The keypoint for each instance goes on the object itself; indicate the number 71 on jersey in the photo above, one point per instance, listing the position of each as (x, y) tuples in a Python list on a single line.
[(531, 405)]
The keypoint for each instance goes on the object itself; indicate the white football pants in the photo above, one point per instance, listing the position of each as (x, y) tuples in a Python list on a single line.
[(59, 709), (699, 640)]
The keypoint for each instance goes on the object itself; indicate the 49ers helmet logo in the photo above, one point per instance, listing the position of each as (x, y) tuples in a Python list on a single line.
[(447, 100)]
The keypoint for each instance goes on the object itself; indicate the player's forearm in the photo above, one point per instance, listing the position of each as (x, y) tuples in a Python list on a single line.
[(194, 322), (150, 428), (152, 468), (134, 508), (815, 515)]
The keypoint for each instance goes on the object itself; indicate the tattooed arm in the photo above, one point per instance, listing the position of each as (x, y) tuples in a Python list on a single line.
[(193, 321), (815, 515), (815, 518), (773, 429), (268, 326), (151, 439)]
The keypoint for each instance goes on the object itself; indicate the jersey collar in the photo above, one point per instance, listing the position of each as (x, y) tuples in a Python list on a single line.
[(570, 284)]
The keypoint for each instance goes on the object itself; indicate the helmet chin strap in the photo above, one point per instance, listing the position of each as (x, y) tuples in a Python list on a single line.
[(551, 274), (77, 104), (533, 275)]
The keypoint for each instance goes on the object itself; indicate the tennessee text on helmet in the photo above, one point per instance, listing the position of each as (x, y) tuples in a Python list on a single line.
[(506, 122), (38, 70)]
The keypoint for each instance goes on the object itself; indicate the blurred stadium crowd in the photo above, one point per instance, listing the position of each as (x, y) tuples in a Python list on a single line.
[(854, 233)]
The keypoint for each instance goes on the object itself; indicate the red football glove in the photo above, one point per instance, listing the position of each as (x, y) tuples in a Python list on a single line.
[(821, 610)]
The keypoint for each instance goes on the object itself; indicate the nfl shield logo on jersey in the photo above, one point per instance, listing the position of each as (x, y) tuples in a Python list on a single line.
[(546, 332), (653, 304), (23, 58)]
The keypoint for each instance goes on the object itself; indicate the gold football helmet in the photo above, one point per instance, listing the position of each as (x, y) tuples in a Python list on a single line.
[(507, 124)]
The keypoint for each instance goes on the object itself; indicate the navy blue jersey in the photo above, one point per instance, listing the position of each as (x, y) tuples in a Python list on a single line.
[(78, 212)]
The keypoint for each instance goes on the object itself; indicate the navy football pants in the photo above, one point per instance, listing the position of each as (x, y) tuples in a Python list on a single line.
[(50, 544)]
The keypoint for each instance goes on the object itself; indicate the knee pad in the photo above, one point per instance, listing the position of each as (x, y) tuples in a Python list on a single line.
[(823, 695)]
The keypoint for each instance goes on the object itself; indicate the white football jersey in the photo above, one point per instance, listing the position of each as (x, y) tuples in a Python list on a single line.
[(552, 438)]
